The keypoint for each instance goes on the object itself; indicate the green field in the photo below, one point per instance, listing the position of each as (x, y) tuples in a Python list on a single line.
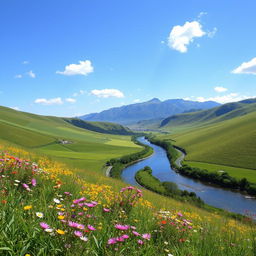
[(229, 143), (88, 150)]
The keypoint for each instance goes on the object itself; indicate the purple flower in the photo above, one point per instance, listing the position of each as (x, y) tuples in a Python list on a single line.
[(44, 225), (180, 214), (90, 227), (121, 227), (146, 236), (125, 236), (112, 240), (33, 182), (26, 186), (78, 233), (140, 242), (136, 233)]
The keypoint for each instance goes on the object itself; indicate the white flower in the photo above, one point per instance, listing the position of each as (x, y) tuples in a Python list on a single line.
[(17, 181), (57, 201), (39, 214), (48, 230), (84, 238)]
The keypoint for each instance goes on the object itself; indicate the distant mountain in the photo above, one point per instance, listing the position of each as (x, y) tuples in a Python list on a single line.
[(152, 109), (217, 114)]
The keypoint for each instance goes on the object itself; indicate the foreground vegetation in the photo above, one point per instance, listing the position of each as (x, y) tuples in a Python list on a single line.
[(46, 209)]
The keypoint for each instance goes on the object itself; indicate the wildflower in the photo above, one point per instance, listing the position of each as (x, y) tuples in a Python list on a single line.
[(112, 240), (48, 230), (140, 242), (24, 185), (146, 236), (27, 207), (39, 214), (27, 254), (179, 214), (61, 232), (84, 238), (4, 201), (17, 181), (121, 227), (125, 236), (57, 201), (44, 225), (91, 228), (61, 217), (33, 182), (78, 233), (136, 233), (106, 210)]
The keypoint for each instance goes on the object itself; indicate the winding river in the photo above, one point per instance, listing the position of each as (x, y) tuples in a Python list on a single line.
[(215, 196)]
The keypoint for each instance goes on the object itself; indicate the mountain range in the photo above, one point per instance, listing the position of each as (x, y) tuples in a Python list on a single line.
[(152, 109)]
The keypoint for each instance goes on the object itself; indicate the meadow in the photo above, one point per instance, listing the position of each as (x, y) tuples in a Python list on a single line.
[(47, 209), (229, 144)]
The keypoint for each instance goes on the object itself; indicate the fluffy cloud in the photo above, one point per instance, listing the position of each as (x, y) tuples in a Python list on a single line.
[(54, 101), (83, 68), (231, 97), (81, 92), (220, 89), (16, 108), (107, 93), (137, 101), (31, 74), (246, 68), (25, 62), (18, 76), (70, 100), (181, 36)]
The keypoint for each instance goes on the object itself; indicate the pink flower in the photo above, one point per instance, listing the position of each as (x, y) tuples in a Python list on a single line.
[(106, 210), (125, 236), (140, 242), (78, 233), (72, 224), (112, 240), (146, 236), (33, 182), (44, 225), (90, 227), (121, 227), (136, 233), (26, 186), (120, 239), (92, 204), (180, 214)]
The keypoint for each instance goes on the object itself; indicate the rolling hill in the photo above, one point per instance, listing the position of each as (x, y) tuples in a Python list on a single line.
[(214, 115), (153, 109), (54, 136)]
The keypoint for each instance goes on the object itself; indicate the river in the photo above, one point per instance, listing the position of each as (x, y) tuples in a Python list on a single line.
[(215, 196)]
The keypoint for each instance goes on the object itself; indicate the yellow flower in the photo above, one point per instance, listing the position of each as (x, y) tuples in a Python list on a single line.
[(61, 232), (27, 254), (27, 207), (61, 217)]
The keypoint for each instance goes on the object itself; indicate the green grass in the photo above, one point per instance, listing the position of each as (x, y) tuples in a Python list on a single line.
[(231, 142), (232, 171), (89, 150)]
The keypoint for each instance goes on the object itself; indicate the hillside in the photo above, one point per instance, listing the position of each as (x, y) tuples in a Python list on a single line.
[(61, 140), (231, 142), (102, 127), (153, 109), (214, 115)]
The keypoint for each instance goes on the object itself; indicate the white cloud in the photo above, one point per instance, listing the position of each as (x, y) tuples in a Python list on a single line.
[(107, 93), (181, 36), (81, 92), (31, 74), (246, 68), (220, 89), (16, 108), (212, 33), (201, 14), (83, 68), (137, 101), (18, 76), (231, 97), (25, 62), (54, 101), (70, 100)]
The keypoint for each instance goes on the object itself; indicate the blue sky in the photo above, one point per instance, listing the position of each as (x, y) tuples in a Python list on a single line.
[(69, 58)]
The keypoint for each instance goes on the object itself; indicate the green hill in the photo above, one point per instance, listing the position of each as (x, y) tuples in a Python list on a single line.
[(62, 140), (214, 115)]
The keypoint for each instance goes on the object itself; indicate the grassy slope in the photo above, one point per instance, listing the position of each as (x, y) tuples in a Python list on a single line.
[(228, 143), (89, 150)]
